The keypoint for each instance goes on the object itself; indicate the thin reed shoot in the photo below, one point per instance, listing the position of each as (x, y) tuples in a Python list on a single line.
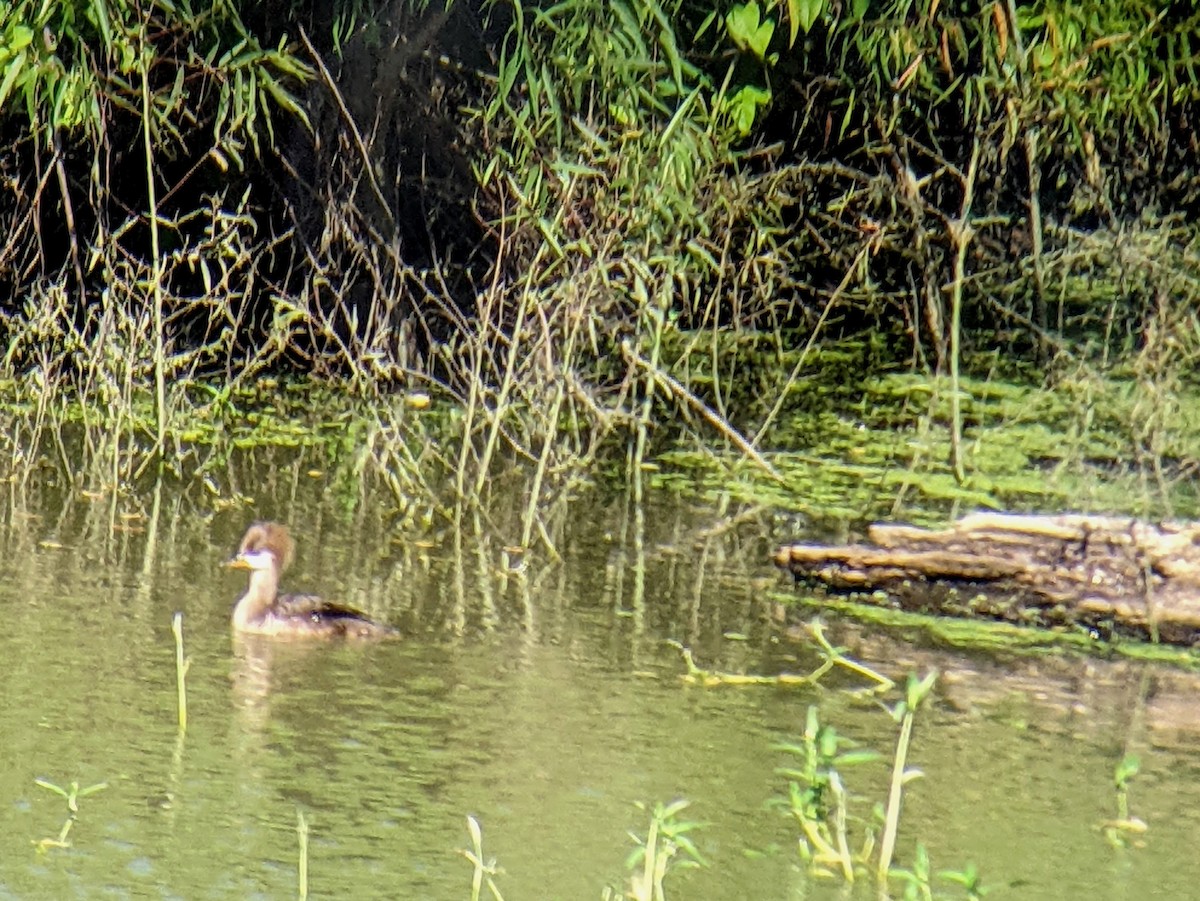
[(182, 665), (302, 863), (915, 692)]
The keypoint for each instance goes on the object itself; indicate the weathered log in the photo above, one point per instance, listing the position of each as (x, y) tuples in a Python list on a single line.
[(1107, 573)]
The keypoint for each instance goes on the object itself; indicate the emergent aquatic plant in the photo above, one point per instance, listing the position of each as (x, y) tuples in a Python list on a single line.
[(656, 854), (818, 800), (915, 692), (1124, 830), (817, 796), (485, 869), (72, 796), (918, 881)]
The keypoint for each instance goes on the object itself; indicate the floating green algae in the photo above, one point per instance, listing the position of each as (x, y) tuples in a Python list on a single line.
[(885, 453), (983, 634)]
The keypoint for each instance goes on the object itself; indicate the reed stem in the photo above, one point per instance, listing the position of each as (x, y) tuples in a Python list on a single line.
[(160, 390), (895, 791), (182, 665), (915, 693), (302, 868)]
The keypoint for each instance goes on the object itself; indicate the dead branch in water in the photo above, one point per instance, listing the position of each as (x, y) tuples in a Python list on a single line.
[(1102, 572)]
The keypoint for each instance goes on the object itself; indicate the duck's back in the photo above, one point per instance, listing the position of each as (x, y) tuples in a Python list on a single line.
[(310, 616)]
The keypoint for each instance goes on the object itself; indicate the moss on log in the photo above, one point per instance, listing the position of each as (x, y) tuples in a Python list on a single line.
[(1111, 574)]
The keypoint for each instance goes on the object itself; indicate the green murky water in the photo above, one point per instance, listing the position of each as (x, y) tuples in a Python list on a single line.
[(544, 705)]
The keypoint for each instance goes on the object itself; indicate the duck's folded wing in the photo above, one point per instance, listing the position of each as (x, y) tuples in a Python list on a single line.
[(313, 607), (324, 618)]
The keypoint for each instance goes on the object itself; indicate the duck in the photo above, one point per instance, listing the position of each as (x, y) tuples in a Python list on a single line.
[(266, 551)]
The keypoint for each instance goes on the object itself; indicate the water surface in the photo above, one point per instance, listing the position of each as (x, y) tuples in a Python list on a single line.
[(546, 704)]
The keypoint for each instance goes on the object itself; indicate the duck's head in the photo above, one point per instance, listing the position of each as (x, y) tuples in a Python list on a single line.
[(266, 545)]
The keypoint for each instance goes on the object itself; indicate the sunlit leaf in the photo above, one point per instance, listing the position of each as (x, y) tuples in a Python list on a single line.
[(808, 12), (19, 37), (11, 73), (748, 30)]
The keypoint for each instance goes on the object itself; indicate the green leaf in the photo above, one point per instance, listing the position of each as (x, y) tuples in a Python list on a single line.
[(92, 789), (284, 99), (19, 38), (851, 758), (98, 13), (742, 21), (11, 73), (748, 29), (743, 107), (761, 38), (916, 690), (827, 742), (57, 789), (806, 14), (129, 58), (1127, 769)]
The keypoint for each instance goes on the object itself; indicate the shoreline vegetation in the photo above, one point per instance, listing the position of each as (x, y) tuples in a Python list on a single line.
[(595, 230)]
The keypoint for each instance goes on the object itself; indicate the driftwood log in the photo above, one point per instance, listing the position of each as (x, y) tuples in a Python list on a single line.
[(1109, 574)]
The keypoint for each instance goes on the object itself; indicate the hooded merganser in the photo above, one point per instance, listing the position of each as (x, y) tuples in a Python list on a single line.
[(266, 551)]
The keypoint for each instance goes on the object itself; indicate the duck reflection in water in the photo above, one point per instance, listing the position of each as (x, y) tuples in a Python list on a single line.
[(266, 551)]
